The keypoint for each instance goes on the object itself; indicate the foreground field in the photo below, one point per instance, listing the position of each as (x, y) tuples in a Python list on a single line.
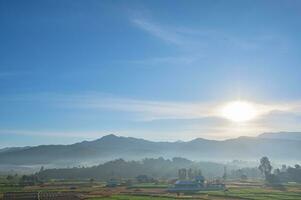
[(256, 194), (97, 191), (233, 193), (129, 197)]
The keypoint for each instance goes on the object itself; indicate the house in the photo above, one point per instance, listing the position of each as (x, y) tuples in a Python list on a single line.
[(113, 183), (144, 179), (193, 182), (189, 181), (185, 186)]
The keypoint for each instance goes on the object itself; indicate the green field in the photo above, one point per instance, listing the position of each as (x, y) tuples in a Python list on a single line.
[(149, 185), (149, 191), (256, 194), (129, 197)]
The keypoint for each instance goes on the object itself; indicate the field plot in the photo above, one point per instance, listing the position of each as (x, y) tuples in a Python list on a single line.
[(97, 191), (254, 192), (129, 197)]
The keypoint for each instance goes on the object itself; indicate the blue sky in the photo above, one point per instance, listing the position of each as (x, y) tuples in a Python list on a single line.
[(76, 70)]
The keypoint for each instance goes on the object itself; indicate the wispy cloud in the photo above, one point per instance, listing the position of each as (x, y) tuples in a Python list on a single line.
[(200, 39), (63, 134), (158, 31), (187, 39), (195, 45), (150, 109), (191, 119), (180, 110)]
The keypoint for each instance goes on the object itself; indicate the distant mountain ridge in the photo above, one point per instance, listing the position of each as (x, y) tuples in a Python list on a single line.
[(282, 135), (112, 147), (11, 149)]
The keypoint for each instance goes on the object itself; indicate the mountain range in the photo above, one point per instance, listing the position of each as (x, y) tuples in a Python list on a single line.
[(282, 135), (278, 146)]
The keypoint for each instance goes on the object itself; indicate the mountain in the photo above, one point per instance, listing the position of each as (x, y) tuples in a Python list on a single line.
[(12, 149), (282, 135), (112, 147)]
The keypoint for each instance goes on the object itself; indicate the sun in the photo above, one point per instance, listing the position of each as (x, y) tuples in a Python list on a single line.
[(239, 111)]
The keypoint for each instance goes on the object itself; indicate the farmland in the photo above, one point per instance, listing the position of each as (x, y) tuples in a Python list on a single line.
[(97, 190)]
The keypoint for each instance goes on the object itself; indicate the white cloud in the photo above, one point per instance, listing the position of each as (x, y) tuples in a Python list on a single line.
[(158, 31), (201, 39), (64, 134), (149, 109), (155, 110), (194, 119)]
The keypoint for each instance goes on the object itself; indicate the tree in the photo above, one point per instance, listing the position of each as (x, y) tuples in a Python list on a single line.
[(225, 173), (277, 172), (190, 174), (243, 177), (265, 167), (42, 169), (29, 180), (283, 168), (9, 178)]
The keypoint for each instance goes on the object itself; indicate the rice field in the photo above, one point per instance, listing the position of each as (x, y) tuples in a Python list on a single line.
[(97, 191)]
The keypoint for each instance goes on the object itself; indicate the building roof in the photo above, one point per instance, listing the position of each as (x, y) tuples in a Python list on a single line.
[(185, 182)]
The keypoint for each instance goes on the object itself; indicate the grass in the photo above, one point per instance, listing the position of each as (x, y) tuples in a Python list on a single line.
[(9, 189), (289, 192), (256, 194), (129, 197), (149, 185)]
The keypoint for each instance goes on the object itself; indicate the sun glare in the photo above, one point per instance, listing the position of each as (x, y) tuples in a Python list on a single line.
[(239, 111)]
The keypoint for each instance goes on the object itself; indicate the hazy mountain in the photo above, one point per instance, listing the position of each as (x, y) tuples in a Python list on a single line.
[(111, 147), (282, 135), (12, 149)]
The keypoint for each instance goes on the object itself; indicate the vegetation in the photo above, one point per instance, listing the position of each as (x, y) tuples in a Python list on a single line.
[(130, 197), (155, 168), (265, 167), (146, 181), (256, 194), (149, 185), (290, 174)]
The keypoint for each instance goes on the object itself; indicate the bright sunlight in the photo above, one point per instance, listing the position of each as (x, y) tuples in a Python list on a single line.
[(239, 111)]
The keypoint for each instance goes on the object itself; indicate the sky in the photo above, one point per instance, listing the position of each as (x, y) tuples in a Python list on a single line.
[(159, 70)]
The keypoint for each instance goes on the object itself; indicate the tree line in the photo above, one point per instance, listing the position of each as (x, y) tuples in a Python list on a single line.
[(285, 174), (162, 168), (152, 167)]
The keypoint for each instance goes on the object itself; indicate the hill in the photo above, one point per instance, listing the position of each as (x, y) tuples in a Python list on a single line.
[(11, 149), (156, 168), (113, 147), (282, 135)]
